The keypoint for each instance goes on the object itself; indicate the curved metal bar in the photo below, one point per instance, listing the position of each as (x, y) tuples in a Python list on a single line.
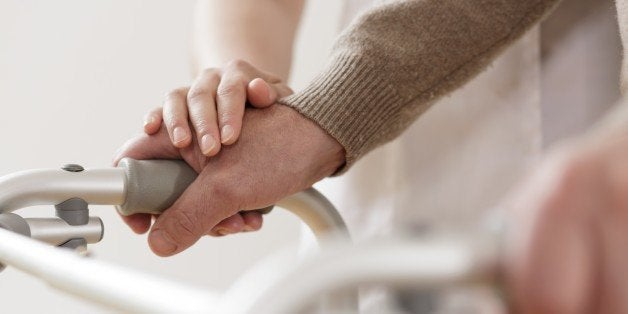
[(113, 286), (284, 284), (316, 211), (51, 187)]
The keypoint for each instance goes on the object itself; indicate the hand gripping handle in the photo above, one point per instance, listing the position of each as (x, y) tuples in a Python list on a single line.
[(152, 186), (140, 186)]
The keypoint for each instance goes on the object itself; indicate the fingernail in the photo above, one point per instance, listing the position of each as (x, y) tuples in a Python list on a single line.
[(179, 135), (149, 120), (222, 232), (227, 133), (161, 242), (208, 143), (247, 228)]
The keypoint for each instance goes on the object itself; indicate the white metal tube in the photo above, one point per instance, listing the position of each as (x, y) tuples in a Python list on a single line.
[(109, 186), (45, 187), (113, 286), (316, 212), (55, 231), (286, 285)]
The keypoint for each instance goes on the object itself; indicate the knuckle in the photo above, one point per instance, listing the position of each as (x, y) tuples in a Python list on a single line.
[(175, 93), (228, 193), (173, 122), (237, 64), (185, 225), (230, 89), (202, 127), (210, 72), (271, 78), (222, 191), (197, 93)]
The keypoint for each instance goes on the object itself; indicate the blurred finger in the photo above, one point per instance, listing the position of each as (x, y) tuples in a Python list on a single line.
[(202, 111), (253, 220), (175, 116)]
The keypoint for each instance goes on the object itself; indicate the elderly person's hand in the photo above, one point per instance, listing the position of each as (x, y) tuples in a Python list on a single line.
[(279, 153), (566, 242)]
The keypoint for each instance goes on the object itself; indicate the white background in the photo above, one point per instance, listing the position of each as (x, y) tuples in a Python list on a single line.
[(76, 78)]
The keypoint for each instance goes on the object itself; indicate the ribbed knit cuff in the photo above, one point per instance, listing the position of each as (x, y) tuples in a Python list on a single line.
[(352, 102)]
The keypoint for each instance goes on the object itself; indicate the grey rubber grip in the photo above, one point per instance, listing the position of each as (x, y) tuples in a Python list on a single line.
[(152, 186)]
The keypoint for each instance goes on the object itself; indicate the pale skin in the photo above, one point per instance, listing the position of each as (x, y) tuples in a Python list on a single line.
[(262, 35), (564, 247), (213, 106)]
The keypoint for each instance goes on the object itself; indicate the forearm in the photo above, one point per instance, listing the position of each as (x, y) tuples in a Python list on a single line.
[(260, 32), (398, 59)]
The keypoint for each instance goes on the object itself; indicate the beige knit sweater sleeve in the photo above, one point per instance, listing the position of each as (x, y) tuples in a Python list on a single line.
[(396, 60)]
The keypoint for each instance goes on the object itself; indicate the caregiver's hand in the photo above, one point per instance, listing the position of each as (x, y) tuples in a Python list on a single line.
[(567, 240), (214, 105), (279, 153)]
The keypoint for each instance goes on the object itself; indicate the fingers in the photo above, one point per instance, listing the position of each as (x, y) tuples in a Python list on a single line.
[(139, 223), (245, 221), (260, 93), (214, 105), (231, 225), (202, 111), (253, 220), (231, 98), (238, 84), (175, 116), (152, 121)]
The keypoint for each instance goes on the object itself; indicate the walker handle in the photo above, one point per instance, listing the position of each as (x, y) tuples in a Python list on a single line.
[(152, 186)]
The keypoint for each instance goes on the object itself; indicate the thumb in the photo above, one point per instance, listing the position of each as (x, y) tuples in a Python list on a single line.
[(186, 221), (261, 94)]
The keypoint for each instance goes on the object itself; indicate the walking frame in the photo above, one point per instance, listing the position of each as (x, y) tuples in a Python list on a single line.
[(282, 283)]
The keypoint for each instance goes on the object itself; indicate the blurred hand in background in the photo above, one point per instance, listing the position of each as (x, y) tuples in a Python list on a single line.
[(567, 234)]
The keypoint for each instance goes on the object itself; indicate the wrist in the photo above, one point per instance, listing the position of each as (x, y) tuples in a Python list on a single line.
[(323, 150)]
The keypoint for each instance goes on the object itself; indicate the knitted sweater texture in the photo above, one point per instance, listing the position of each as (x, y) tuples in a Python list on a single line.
[(398, 59)]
